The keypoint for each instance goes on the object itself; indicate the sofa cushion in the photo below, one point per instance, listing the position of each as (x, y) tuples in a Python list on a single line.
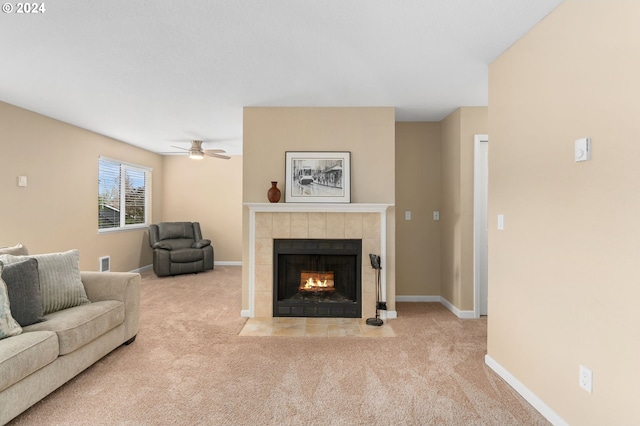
[(80, 325), (23, 284), (24, 354), (17, 250), (8, 325), (60, 284)]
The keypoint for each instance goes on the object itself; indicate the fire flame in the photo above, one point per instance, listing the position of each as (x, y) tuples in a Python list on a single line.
[(311, 283), (314, 281)]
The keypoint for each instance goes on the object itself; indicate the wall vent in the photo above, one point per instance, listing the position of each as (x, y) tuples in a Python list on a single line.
[(104, 264)]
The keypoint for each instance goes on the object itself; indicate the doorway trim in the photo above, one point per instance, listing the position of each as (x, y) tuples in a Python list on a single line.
[(477, 224)]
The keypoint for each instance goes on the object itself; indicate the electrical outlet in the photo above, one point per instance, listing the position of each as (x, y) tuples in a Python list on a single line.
[(586, 379)]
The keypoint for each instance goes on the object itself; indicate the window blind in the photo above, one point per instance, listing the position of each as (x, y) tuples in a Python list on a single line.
[(123, 191)]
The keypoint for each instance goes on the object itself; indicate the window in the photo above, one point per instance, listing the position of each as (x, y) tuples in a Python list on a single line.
[(123, 195)]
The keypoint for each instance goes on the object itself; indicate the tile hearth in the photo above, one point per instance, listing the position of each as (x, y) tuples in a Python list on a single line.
[(314, 327)]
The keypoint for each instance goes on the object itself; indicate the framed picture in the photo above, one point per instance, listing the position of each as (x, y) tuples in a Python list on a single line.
[(317, 177)]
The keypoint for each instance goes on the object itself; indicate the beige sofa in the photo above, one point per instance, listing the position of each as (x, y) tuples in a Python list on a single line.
[(48, 354)]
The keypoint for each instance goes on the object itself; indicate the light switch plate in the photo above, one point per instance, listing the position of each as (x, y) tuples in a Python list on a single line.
[(22, 181), (582, 149)]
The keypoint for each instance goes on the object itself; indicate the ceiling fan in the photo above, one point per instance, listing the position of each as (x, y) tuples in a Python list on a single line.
[(197, 153)]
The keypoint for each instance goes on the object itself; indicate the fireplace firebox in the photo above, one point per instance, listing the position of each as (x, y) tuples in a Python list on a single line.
[(317, 278)]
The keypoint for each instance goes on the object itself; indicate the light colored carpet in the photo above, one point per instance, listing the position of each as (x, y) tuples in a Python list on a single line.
[(188, 366)]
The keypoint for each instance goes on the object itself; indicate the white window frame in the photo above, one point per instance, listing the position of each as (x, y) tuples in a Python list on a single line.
[(124, 166)]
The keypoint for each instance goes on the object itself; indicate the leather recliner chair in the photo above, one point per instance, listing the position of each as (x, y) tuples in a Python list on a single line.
[(178, 248)]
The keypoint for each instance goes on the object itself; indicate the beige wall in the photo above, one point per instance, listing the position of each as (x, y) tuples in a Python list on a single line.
[(456, 213), (368, 133), (58, 210), (209, 192), (563, 275), (418, 186)]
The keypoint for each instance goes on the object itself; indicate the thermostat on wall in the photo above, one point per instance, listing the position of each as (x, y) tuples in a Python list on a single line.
[(583, 149)]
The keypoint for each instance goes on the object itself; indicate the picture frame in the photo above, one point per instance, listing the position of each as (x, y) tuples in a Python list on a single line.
[(318, 177)]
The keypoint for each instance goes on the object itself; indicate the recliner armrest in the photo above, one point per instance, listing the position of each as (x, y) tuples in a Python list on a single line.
[(202, 243), (162, 245)]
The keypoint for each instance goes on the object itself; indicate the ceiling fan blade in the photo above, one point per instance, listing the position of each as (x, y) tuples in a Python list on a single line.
[(196, 146), (211, 154)]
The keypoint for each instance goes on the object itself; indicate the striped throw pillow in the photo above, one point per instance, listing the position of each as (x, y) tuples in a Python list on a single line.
[(60, 283)]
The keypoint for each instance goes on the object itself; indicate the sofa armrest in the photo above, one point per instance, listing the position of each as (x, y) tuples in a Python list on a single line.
[(122, 286)]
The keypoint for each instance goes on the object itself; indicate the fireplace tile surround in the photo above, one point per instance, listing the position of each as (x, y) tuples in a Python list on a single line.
[(312, 221)]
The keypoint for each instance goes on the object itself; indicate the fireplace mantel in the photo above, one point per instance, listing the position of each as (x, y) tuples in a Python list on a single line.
[(329, 208), (319, 207)]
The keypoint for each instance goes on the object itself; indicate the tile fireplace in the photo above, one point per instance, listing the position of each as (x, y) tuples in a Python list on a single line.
[(365, 223)]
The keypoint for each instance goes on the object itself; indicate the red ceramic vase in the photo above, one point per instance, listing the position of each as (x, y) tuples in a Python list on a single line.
[(273, 195)]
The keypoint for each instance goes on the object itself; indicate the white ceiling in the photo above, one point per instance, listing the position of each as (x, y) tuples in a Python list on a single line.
[(160, 73)]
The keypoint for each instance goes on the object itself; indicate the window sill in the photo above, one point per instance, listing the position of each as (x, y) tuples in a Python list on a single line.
[(125, 229)]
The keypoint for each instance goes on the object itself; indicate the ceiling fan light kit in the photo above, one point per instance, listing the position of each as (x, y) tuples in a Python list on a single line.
[(194, 154)]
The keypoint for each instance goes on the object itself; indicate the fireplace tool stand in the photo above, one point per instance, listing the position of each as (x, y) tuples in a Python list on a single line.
[(375, 264)]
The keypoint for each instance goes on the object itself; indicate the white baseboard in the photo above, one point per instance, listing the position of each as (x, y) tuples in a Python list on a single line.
[(460, 314), (529, 396), (418, 298), (439, 299), (142, 269), (389, 314), (245, 313), (222, 263)]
